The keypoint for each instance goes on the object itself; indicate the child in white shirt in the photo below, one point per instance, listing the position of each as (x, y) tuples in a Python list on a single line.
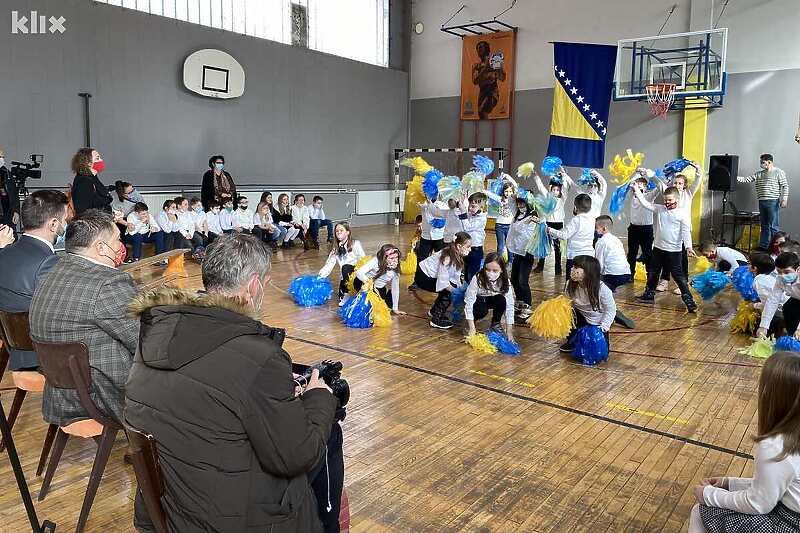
[(433, 227), (558, 188), (726, 259), (579, 231), (770, 500), (786, 292), (505, 209), (142, 229), (519, 236), (490, 290), (167, 220), (763, 268), (384, 271), (213, 220), (345, 251), (301, 219), (190, 238), (473, 221), (640, 229), (441, 273), (614, 268), (243, 217), (226, 216), (592, 301), (317, 220)]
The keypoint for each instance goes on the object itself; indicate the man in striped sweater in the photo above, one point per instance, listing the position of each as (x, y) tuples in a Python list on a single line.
[(773, 194)]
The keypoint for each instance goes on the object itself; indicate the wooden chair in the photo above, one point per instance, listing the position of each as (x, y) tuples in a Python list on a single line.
[(66, 366), (144, 456), (15, 334)]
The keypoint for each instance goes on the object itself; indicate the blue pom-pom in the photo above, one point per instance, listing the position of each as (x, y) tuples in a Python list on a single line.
[(457, 301), (551, 165), (651, 185), (539, 244), (590, 346), (356, 311), (586, 177), (742, 280), (787, 343), (496, 187), (438, 223), (502, 344), (710, 283), (483, 164), (618, 199), (545, 204), (555, 180), (674, 167), (309, 291), (430, 186)]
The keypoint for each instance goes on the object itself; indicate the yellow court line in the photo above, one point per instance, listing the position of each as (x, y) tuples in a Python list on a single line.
[(621, 407)]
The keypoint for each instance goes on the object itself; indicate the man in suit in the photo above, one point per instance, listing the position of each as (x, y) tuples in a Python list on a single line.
[(85, 298), (25, 263)]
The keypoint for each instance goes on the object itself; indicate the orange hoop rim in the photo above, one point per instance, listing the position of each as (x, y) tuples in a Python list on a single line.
[(660, 97)]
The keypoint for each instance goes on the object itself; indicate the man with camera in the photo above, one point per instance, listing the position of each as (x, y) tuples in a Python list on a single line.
[(212, 384), (9, 197)]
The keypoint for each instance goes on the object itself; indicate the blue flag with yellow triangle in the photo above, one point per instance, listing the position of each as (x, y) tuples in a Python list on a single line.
[(584, 78)]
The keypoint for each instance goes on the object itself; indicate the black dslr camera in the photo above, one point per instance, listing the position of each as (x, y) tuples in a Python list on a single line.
[(331, 373), (22, 172)]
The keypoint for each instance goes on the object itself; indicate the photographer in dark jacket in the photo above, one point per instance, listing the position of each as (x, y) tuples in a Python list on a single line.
[(88, 192), (214, 387), (9, 197)]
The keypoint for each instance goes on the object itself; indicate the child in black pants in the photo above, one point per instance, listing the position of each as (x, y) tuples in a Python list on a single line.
[(441, 273)]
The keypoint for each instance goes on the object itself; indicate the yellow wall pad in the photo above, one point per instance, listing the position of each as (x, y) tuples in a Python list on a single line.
[(695, 129)]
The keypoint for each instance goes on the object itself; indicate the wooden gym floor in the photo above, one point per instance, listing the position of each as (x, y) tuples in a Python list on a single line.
[(440, 438)]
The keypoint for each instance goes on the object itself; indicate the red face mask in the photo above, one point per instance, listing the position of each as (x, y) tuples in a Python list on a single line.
[(99, 166), (671, 206), (120, 255)]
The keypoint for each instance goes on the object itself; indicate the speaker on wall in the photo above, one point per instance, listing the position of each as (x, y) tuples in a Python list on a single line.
[(722, 172)]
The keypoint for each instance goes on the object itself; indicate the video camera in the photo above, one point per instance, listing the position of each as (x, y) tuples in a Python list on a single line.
[(21, 172), (331, 373)]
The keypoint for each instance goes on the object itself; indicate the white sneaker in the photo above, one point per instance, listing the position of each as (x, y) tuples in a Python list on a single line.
[(341, 302), (662, 286), (676, 291)]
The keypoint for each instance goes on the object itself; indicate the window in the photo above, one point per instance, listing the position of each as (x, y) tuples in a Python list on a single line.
[(355, 29)]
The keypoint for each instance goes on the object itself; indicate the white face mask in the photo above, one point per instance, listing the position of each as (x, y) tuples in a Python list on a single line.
[(493, 275), (2, 161)]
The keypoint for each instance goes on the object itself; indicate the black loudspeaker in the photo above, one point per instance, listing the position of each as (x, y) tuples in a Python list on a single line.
[(722, 172)]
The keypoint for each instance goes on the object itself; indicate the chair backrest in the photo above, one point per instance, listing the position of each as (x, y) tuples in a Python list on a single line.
[(144, 456), (16, 330), (66, 366)]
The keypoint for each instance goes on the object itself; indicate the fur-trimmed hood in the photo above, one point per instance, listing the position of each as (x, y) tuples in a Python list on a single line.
[(179, 326)]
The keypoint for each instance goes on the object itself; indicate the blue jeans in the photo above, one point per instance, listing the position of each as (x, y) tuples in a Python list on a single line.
[(501, 232), (316, 224), (138, 239), (770, 220)]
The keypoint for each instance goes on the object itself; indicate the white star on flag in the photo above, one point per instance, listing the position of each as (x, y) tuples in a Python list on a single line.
[(556, 67), (561, 73), (568, 82), (599, 123), (593, 116), (580, 99), (573, 90), (604, 131), (586, 107)]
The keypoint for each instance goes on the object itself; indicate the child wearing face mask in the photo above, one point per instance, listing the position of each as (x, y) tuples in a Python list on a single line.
[(167, 220), (473, 221), (614, 268), (140, 229), (672, 235), (226, 216), (345, 251), (579, 231), (190, 238), (490, 290), (786, 292), (762, 266), (558, 188), (243, 216), (505, 210), (519, 235), (775, 244), (726, 259), (384, 271), (441, 273), (318, 220), (592, 301), (213, 221)]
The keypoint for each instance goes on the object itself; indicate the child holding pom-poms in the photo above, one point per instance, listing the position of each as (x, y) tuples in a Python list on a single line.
[(579, 232), (518, 238), (383, 270), (345, 251), (592, 301), (557, 188), (787, 285), (640, 229), (441, 273), (770, 500), (490, 290), (505, 209), (726, 259), (473, 221)]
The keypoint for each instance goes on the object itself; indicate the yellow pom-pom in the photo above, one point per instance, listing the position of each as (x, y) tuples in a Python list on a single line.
[(623, 167), (553, 318), (408, 266), (414, 192), (701, 265), (480, 342), (350, 284), (641, 272), (525, 170), (746, 319), (760, 349), (419, 165), (381, 316)]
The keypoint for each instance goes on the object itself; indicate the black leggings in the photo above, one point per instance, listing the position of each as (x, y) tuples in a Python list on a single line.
[(671, 262), (443, 298), (556, 246), (426, 247), (346, 271), (520, 276), (384, 291), (482, 306), (791, 315)]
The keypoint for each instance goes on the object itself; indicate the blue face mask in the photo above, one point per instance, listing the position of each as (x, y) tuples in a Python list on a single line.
[(598, 235), (789, 278), (219, 166), (198, 209)]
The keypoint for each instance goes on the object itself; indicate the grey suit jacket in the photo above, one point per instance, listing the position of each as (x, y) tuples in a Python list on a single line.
[(83, 301), (23, 265)]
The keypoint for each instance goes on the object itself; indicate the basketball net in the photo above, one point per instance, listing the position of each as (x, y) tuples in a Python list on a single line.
[(660, 97)]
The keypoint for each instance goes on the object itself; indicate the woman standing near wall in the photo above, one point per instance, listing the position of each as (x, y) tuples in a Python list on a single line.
[(88, 192), (217, 182)]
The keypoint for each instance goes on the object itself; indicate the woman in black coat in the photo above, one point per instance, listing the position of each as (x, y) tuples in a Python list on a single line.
[(217, 182), (88, 192)]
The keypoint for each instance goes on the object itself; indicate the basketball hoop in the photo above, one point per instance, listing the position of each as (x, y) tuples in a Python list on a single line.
[(660, 97)]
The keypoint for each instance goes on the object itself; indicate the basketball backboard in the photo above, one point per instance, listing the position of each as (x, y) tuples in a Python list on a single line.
[(693, 61)]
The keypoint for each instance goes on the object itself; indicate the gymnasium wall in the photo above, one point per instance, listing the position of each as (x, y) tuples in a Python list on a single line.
[(761, 108), (306, 118)]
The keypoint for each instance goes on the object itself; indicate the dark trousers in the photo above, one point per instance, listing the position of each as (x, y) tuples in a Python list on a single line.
[(426, 247), (138, 239), (212, 237), (569, 267), (556, 247), (443, 298), (520, 276), (640, 238), (791, 315), (198, 240), (384, 291), (671, 262), (684, 263), (327, 482), (316, 225), (580, 321), (472, 263), (613, 281), (496, 304), (346, 271), (174, 240)]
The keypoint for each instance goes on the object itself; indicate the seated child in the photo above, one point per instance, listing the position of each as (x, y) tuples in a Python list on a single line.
[(142, 229), (317, 220), (383, 270)]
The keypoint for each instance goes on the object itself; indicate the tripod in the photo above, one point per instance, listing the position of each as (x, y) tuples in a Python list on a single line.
[(46, 526)]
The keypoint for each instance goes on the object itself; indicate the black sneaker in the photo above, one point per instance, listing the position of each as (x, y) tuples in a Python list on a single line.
[(565, 348), (413, 287), (440, 323), (647, 296), (130, 260), (691, 306), (624, 321)]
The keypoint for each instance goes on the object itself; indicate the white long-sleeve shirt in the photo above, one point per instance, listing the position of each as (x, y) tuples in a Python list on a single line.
[(212, 220), (350, 258), (672, 227), (611, 255), (579, 234), (686, 196), (598, 196), (186, 224), (519, 235), (243, 218), (764, 284), (452, 225), (558, 213), (445, 275), (300, 216), (772, 482), (777, 297), (475, 225), (166, 225), (140, 227), (602, 317), (370, 269), (429, 211), (226, 219), (474, 290), (731, 255), (265, 220), (200, 221), (640, 215), (506, 208), (316, 214)]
